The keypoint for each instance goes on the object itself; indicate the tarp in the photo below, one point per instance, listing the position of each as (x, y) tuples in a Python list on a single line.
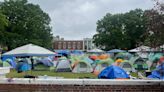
[(113, 72), (29, 50), (115, 51)]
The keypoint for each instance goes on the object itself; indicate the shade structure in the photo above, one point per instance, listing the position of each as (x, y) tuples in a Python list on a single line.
[(141, 48), (95, 51), (29, 50), (115, 51)]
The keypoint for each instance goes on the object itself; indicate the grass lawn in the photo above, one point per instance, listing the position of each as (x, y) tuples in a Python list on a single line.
[(14, 74)]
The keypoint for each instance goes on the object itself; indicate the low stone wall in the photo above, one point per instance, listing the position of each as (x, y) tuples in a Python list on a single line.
[(80, 85)]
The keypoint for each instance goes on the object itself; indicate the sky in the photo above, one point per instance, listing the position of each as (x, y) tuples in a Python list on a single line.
[(76, 19)]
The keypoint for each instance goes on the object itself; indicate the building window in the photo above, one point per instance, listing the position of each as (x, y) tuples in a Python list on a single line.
[(69, 45), (59, 45), (78, 45), (64, 45), (74, 45)]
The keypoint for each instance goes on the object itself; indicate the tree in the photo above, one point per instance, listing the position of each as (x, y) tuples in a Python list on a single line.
[(155, 25), (120, 30), (27, 24), (3, 24)]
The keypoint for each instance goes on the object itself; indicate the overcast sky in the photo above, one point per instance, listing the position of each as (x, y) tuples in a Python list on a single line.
[(76, 19)]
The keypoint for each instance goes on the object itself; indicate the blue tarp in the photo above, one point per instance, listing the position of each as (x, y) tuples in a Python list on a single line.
[(113, 72), (158, 73)]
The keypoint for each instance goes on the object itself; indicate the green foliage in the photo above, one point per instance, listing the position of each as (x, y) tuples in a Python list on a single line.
[(155, 25), (27, 24), (120, 30), (3, 24)]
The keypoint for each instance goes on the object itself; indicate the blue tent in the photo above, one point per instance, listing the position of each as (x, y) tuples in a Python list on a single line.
[(4, 58), (23, 66), (63, 52), (77, 52), (115, 51), (158, 73), (46, 61), (11, 62), (113, 72)]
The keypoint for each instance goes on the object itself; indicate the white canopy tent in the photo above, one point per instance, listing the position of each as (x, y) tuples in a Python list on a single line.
[(95, 50), (29, 50), (140, 49)]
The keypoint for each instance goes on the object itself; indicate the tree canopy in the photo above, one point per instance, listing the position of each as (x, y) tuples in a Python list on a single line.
[(122, 31), (27, 23), (131, 29)]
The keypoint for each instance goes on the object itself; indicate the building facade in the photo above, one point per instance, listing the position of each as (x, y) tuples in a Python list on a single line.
[(85, 44), (68, 44)]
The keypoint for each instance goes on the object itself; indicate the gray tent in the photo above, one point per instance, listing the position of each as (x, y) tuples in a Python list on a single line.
[(63, 66), (127, 66), (82, 67)]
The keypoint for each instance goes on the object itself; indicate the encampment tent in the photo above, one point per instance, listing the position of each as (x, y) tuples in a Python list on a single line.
[(82, 67), (127, 66), (158, 73), (124, 56), (102, 64), (63, 66), (139, 63), (113, 72)]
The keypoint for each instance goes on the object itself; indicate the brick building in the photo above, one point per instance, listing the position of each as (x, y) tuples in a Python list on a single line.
[(85, 44), (69, 44)]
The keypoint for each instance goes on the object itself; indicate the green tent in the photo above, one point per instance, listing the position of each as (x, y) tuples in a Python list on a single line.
[(139, 63)]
